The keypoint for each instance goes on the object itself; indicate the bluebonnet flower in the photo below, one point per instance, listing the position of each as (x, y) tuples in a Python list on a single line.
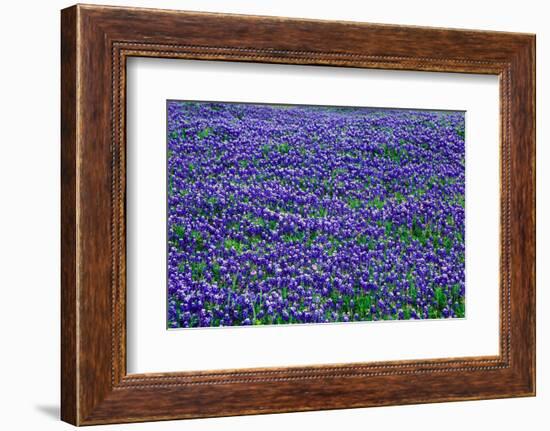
[(302, 214)]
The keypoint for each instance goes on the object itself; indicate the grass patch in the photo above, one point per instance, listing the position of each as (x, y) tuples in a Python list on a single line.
[(233, 244), (355, 203), (283, 148), (204, 133)]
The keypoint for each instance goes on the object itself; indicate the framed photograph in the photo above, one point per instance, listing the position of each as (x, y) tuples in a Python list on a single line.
[(264, 214)]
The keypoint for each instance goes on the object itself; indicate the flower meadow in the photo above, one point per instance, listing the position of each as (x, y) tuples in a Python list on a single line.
[(282, 214)]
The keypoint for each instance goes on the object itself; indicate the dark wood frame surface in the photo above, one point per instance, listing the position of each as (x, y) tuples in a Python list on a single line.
[(95, 43)]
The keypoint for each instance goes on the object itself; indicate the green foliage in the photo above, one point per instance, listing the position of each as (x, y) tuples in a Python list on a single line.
[(181, 134), (413, 293), (283, 148), (233, 225), (204, 133), (447, 243), (455, 292), (433, 312), (399, 198), (296, 236), (233, 244), (371, 244), (265, 150), (377, 203), (418, 233), (284, 293), (198, 240), (460, 131), (354, 203), (179, 231), (336, 172), (394, 154), (334, 245), (363, 303), (312, 237), (322, 212), (440, 298), (216, 271), (460, 310), (362, 240), (197, 270)]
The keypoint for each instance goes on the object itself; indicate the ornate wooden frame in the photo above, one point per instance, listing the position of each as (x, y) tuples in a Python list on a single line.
[(95, 43)]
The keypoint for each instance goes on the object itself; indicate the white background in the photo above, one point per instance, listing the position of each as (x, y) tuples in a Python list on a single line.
[(29, 220), (151, 348)]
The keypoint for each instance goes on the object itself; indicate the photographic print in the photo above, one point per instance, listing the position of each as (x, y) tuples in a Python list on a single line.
[(295, 214)]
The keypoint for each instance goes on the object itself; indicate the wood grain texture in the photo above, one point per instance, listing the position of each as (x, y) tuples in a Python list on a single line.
[(96, 41), (69, 366)]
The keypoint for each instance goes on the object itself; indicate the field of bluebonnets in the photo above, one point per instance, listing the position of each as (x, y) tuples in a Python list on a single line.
[(305, 214)]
